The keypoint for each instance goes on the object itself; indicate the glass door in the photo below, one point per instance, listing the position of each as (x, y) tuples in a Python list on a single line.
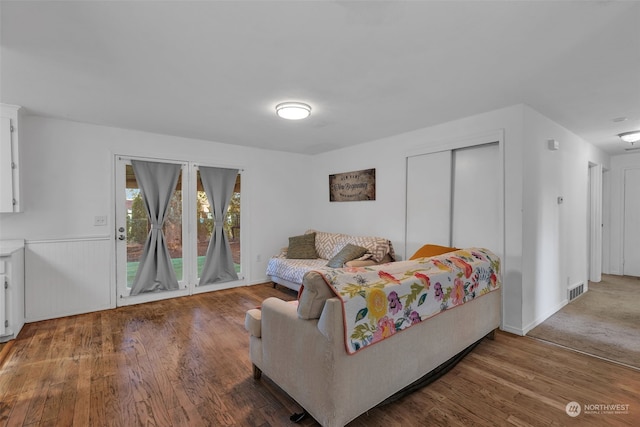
[(132, 229), (205, 224)]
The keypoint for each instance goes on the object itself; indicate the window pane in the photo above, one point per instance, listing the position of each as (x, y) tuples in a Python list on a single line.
[(138, 226), (172, 229), (205, 224), (233, 224)]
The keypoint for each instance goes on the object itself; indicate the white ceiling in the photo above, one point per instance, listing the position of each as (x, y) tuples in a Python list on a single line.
[(215, 70)]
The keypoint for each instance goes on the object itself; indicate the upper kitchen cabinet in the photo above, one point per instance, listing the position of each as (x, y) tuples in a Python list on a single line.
[(9, 159)]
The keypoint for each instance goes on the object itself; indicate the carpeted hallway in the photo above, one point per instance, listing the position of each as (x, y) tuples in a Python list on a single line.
[(605, 321)]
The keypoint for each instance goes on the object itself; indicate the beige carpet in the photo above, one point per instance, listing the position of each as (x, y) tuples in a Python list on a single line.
[(605, 321)]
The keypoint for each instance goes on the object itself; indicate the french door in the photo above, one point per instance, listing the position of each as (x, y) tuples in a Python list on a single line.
[(186, 229), (133, 227)]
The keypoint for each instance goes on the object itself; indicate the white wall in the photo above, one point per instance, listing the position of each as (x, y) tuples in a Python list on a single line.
[(545, 244), (386, 215), (68, 180), (555, 244), (616, 219)]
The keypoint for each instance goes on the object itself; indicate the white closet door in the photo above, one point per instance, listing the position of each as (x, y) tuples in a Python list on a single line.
[(428, 200), (476, 198), (632, 222)]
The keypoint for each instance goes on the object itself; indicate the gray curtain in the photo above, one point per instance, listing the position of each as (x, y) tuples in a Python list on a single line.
[(218, 183), (157, 182)]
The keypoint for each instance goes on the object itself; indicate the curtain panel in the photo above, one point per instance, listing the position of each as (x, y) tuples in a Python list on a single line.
[(157, 183), (218, 267)]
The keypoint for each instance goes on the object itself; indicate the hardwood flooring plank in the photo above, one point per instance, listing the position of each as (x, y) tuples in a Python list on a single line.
[(82, 406)]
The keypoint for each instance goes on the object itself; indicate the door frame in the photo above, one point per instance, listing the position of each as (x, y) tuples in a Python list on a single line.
[(594, 223), (624, 218), (189, 282)]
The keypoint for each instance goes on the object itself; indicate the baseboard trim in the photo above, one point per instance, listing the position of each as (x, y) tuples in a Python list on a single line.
[(545, 316)]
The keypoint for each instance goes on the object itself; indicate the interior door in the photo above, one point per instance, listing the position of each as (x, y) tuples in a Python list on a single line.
[(132, 227), (631, 222)]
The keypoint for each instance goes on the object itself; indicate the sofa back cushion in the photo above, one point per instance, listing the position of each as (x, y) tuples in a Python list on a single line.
[(313, 295), (329, 244)]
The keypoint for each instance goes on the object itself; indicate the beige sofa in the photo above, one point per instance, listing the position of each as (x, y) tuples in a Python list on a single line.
[(289, 272), (301, 347)]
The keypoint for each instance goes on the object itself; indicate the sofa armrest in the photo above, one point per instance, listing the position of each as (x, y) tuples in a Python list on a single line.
[(253, 322)]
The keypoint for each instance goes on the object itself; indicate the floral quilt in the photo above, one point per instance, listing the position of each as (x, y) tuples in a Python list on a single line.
[(382, 300)]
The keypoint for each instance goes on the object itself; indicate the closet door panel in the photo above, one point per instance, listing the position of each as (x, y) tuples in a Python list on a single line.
[(428, 200), (476, 198)]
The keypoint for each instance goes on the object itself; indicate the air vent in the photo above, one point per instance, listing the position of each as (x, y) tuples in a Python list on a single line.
[(575, 291)]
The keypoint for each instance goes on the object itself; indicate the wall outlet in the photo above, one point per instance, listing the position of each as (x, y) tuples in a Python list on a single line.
[(258, 258), (100, 220)]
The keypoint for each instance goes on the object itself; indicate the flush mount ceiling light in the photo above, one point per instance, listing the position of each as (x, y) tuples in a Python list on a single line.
[(631, 137), (293, 110)]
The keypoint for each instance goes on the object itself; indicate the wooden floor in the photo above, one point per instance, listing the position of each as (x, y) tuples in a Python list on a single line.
[(185, 362)]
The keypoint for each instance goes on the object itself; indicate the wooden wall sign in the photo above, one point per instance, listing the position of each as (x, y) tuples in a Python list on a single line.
[(352, 186)]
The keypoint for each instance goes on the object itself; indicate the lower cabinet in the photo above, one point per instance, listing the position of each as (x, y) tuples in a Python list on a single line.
[(11, 288)]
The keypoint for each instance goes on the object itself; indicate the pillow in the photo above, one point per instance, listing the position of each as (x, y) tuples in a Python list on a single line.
[(302, 247), (313, 294), (328, 244), (431, 250), (377, 246), (348, 253)]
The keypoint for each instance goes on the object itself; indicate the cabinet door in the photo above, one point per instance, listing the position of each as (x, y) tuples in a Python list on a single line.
[(6, 170), (3, 303)]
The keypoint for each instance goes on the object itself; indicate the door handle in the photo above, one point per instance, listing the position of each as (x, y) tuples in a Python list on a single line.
[(121, 237)]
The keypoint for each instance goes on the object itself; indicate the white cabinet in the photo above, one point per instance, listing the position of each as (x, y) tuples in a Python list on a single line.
[(11, 288), (9, 159)]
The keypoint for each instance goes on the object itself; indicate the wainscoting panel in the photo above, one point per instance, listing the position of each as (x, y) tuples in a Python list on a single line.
[(67, 276)]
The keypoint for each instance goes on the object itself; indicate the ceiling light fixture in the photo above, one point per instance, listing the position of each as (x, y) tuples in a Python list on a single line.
[(631, 137), (293, 110)]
